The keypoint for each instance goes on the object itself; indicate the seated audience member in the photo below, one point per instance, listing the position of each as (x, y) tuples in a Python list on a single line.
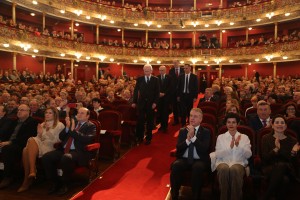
[(5, 123), (296, 97), (262, 118), (233, 149), (290, 110), (74, 137), (24, 100), (126, 95), (35, 110), (12, 108), (47, 136), (253, 100), (18, 133), (208, 96), (279, 158), (97, 105), (110, 96), (192, 154)]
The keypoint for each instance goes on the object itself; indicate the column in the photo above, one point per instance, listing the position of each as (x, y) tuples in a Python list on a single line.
[(247, 34), (276, 30), (171, 40), (220, 72), (246, 71), (195, 4), (146, 3), (15, 61), (221, 39), (274, 69), (146, 39), (97, 34), (171, 3), (44, 65), (72, 29), (194, 69), (44, 20), (123, 3), (72, 68), (14, 12), (221, 4), (122, 69), (122, 35), (97, 71), (194, 39)]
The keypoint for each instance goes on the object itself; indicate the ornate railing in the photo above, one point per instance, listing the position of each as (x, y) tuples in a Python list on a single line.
[(52, 47), (170, 16)]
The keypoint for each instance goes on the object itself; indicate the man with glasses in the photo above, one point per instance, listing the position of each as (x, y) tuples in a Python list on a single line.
[(187, 92), (18, 133)]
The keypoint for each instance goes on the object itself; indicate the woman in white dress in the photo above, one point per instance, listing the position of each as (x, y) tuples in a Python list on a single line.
[(47, 136)]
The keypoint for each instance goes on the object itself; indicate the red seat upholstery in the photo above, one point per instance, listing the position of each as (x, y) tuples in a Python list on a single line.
[(210, 110), (129, 119), (110, 122), (208, 104)]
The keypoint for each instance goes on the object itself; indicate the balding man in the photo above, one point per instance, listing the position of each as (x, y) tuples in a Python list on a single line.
[(164, 99), (16, 138), (75, 137), (145, 98)]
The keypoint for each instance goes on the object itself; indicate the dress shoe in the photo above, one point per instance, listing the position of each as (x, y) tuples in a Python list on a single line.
[(53, 189), (147, 142), (23, 189), (5, 182), (62, 190)]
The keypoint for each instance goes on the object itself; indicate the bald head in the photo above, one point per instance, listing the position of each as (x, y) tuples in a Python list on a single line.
[(162, 70)]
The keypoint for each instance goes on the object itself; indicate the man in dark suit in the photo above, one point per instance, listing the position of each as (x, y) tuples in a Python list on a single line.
[(35, 109), (208, 96), (175, 72), (74, 137), (17, 135), (164, 98), (262, 119), (5, 124), (187, 92), (145, 97), (192, 151)]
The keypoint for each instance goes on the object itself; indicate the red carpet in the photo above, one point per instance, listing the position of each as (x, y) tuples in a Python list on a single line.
[(142, 173)]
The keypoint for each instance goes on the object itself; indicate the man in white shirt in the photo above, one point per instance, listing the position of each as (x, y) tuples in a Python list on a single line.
[(192, 151), (232, 152)]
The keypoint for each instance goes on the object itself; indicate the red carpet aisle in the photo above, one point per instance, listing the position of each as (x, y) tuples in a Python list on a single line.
[(142, 173)]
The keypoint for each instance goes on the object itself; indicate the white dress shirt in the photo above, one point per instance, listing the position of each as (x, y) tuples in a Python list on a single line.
[(236, 155)]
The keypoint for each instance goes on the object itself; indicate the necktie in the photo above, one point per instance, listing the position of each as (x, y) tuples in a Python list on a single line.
[(264, 123), (191, 153), (70, 140), (186, 83), (148, 79), (177, 72), (162, 78)]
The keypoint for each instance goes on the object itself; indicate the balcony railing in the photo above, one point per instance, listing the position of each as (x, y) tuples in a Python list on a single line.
[(52, 47)]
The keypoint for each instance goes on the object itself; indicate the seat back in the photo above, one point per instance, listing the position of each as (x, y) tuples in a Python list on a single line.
[(210, 110), (212, 135), (128, 112), (208, 104), (209, 119), (110, 120)]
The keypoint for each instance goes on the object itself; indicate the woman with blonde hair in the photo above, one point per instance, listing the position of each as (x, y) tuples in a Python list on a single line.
[(47, 136)]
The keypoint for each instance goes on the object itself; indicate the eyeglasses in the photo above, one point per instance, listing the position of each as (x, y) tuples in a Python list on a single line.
[(22, 110), (290, 109)]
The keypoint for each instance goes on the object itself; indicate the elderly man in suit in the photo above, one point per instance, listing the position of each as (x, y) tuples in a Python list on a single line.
[(187, 92), (15, 140), (74, 137), (175, 72), (164, 99), (145, 98), (192, 154)]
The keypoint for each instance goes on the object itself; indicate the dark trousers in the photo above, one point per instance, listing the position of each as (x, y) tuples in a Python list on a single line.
[(146, 114), (11, 156), (175, 109), (186, 105), (278, 180), (66, 162), (178, 168), (163, 112)]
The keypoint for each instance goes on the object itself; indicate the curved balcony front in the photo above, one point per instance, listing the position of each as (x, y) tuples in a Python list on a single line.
[(72, 50)]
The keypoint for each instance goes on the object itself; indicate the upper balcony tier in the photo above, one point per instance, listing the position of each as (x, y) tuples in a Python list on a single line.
[(110, 16), (16, 40)]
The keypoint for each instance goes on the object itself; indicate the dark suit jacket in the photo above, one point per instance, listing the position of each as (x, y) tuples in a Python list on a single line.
[(255, 123), (174, 77), (146, 93), (39, 113), (84, 136), (27, 130), (165, 86), (193, 85), (213, 99), (201, 143), (5, 124)]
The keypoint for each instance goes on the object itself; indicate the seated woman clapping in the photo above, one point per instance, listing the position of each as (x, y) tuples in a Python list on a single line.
[(279, 158), (48, 135)]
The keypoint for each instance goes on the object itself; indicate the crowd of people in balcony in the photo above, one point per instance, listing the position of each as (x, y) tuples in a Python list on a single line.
[(245, 3), (266, 40)]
